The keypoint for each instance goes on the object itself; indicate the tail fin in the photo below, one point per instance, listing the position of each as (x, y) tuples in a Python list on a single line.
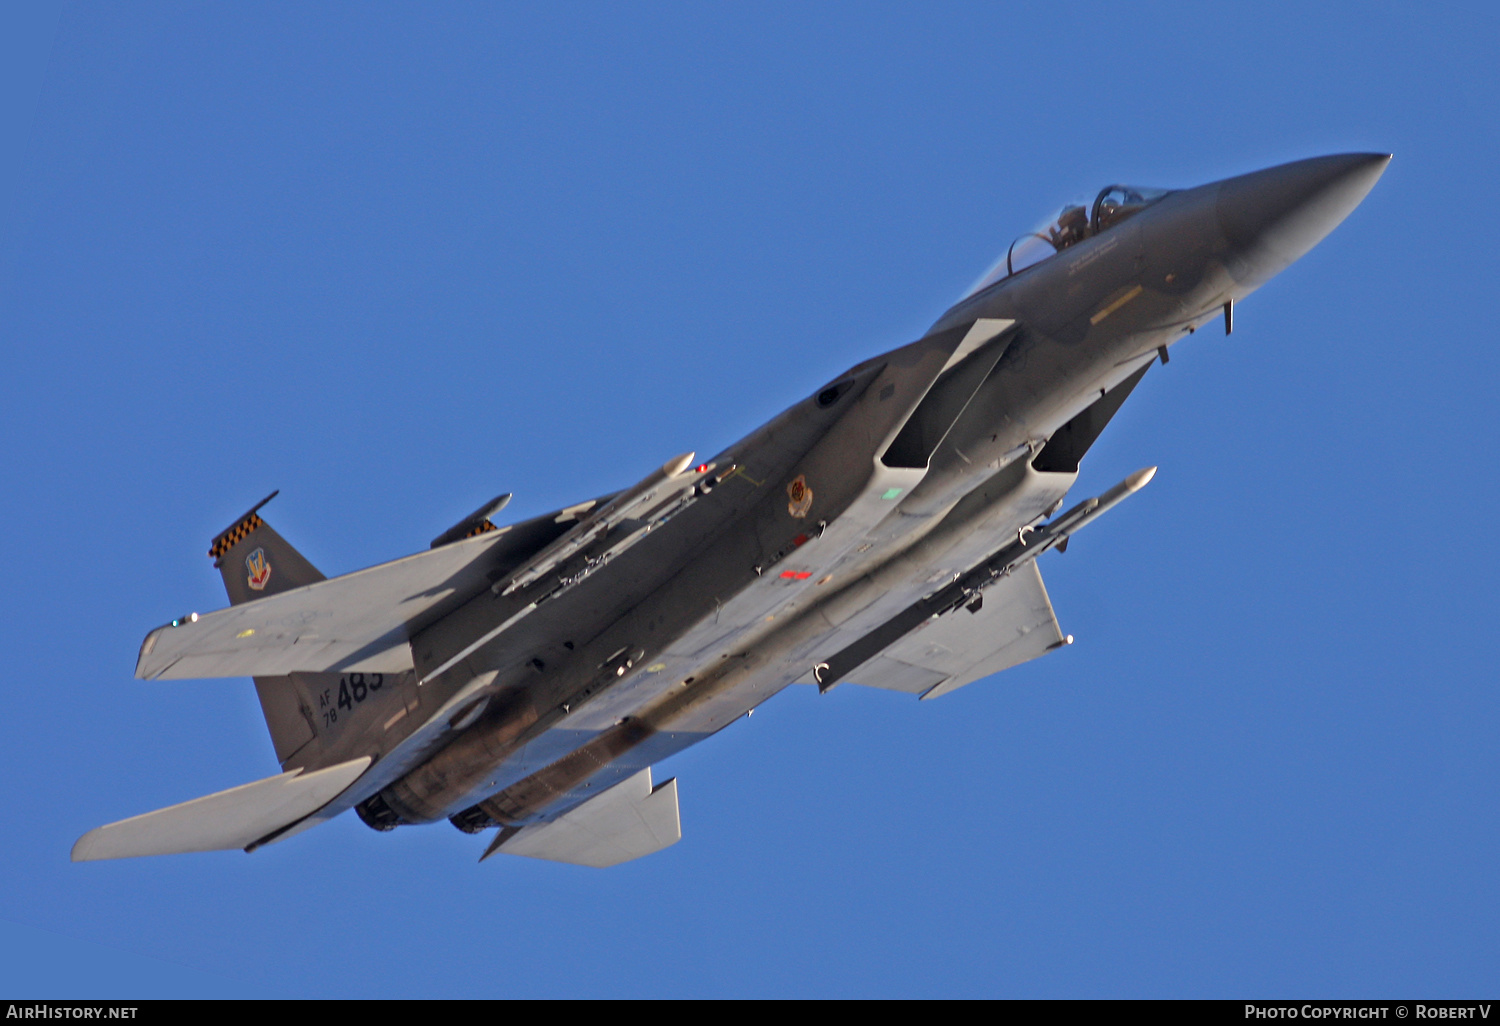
[(256, 562)]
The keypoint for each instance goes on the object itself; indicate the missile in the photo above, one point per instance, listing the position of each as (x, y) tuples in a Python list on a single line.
[(638, 495), (663, 486), (1031, 543), (573, 557), (1089, 509)]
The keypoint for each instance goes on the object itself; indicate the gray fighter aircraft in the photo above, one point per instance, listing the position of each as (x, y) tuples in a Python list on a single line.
[(882, 531)]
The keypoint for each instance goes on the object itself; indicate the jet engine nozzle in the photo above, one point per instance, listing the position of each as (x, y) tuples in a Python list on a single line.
[(1271, 218)]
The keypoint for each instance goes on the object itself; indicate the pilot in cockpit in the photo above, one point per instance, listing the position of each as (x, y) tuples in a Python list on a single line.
[(1072, 227)]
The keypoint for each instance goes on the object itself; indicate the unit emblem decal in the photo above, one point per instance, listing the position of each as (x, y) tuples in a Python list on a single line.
[(800, 495), (260, 570)]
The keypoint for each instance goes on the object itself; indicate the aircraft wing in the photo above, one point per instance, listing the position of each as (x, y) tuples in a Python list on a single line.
[(1015, 624), (357, 622)]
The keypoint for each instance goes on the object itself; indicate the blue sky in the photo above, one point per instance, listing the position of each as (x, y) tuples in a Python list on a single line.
[(393, 260)]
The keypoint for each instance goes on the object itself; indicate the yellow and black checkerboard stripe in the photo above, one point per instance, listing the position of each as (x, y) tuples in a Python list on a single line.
[(484, 525), (232, 537)]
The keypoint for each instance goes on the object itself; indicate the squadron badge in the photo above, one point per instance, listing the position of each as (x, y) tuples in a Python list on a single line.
[(260, 570), (800, 497)]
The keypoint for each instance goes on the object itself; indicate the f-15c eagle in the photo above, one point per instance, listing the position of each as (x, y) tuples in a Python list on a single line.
[(882, 531)]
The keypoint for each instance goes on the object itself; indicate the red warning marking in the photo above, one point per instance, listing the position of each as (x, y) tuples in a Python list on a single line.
[(796, 575), (799, 541)]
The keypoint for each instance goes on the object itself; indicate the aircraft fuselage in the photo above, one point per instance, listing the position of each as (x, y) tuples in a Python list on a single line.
[(820, 523)]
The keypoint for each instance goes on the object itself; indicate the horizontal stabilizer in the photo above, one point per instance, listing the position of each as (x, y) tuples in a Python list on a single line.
[(236, 818), (630, 820)]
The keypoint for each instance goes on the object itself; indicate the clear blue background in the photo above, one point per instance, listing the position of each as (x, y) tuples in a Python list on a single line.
[(394, 259)]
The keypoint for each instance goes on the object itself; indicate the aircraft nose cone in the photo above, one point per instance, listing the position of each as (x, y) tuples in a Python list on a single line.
[(1274, 216)]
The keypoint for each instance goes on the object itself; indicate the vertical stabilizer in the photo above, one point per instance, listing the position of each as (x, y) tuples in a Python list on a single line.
[(256, 562)]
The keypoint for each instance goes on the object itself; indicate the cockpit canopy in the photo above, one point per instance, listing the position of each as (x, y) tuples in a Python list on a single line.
[(1076, 222)]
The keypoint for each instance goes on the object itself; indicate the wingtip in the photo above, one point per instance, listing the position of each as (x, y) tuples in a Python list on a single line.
[(80, 850), (148, 645), (87, 847)]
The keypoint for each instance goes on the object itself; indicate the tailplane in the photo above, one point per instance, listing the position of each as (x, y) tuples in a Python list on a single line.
[(243, 817)]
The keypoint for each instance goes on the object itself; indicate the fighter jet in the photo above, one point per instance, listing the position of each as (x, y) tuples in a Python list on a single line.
[(882, 531)]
